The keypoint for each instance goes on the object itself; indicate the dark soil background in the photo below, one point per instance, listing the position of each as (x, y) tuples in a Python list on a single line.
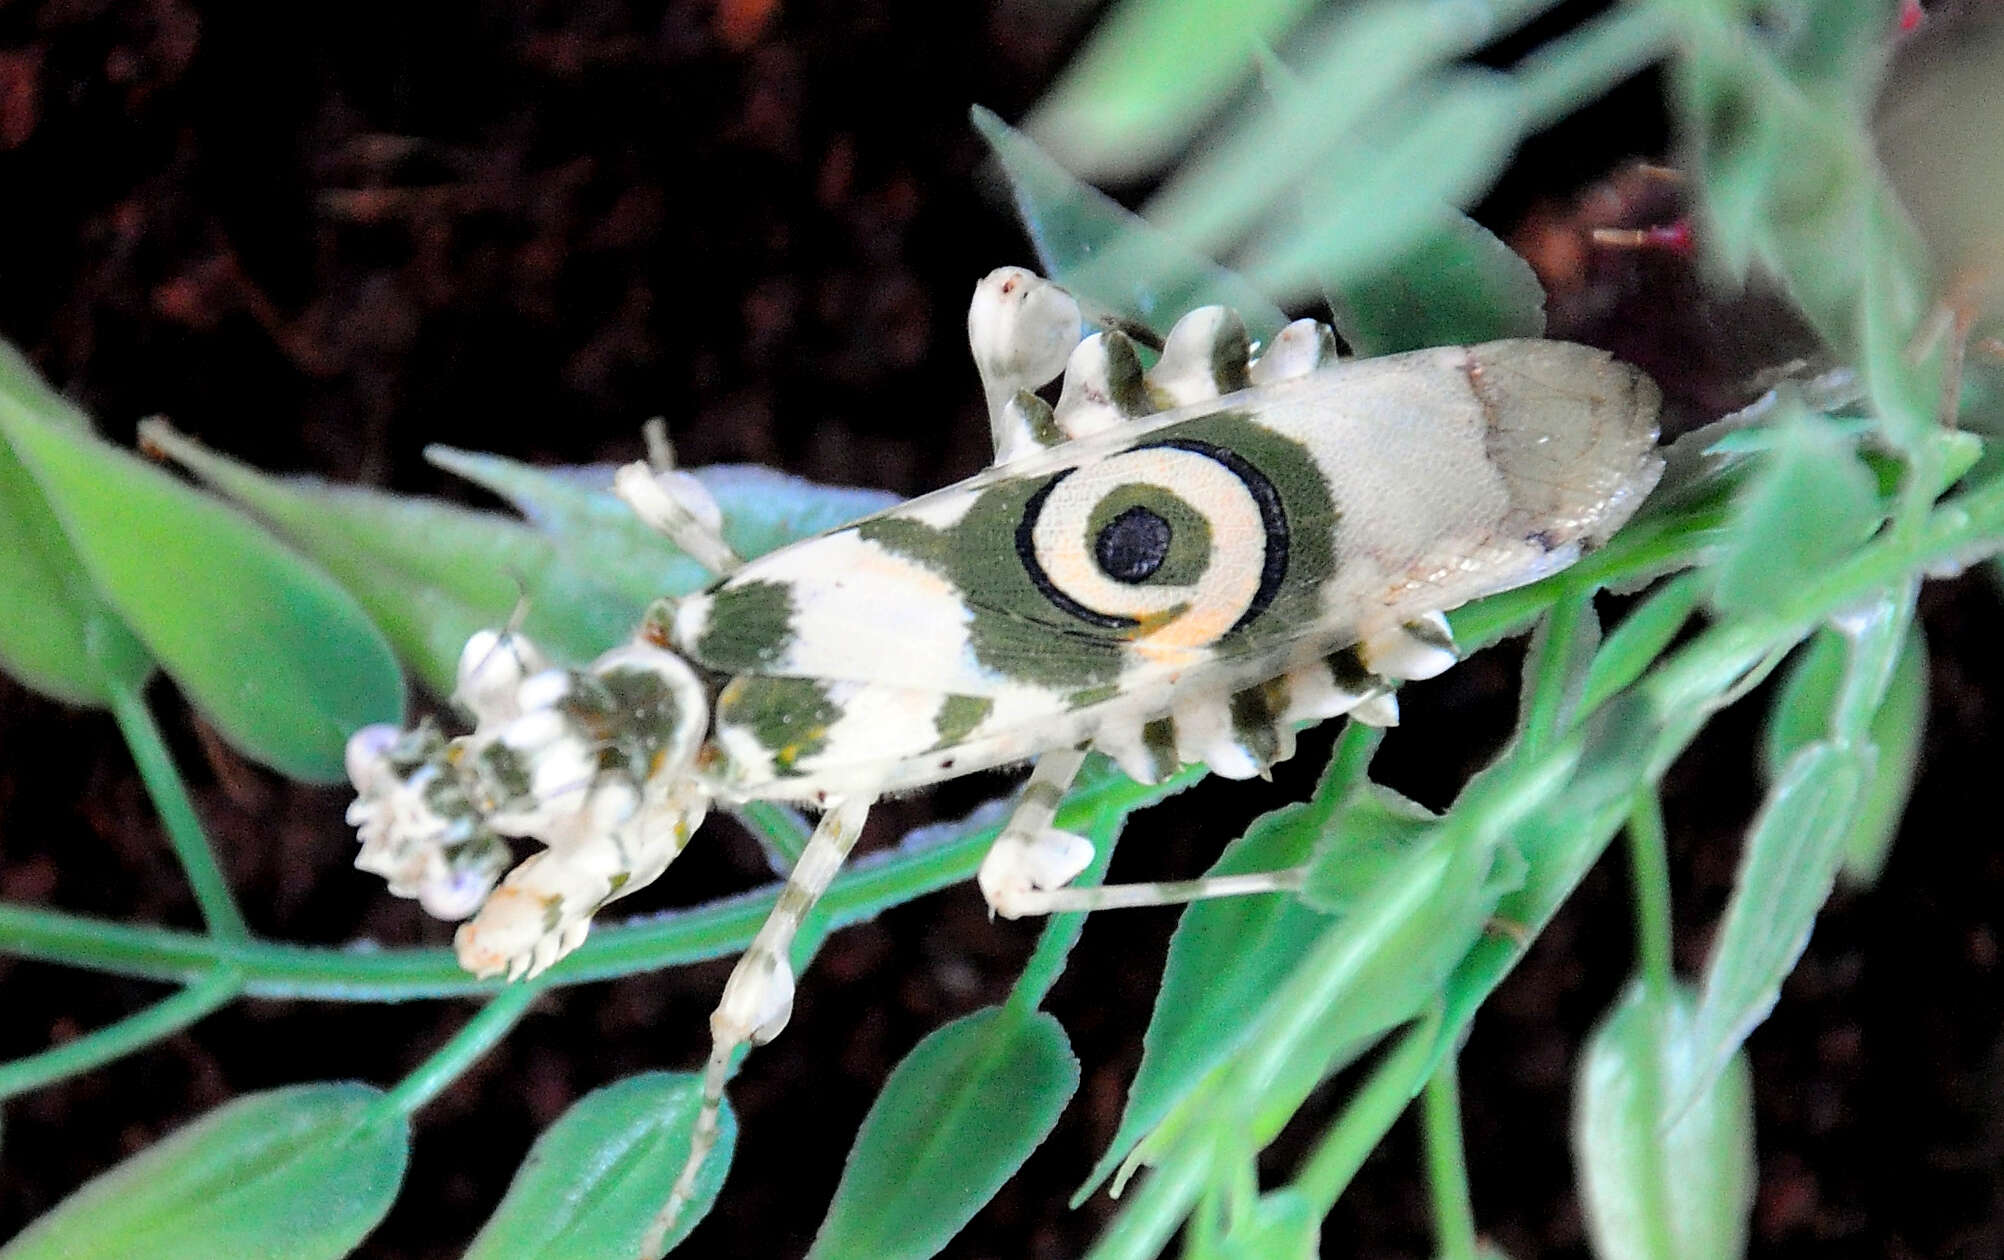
[(322, 236)]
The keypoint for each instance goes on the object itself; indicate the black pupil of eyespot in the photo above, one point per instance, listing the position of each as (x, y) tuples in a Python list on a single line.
[(1132, 545)]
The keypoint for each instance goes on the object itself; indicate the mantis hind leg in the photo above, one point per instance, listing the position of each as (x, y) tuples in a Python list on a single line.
[(758, 998)]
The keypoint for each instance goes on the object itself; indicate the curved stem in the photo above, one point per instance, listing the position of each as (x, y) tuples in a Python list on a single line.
[(1553, 665), (369, 974), (177, 812), (1061, 931), (476, 1038), (135, 1032), (1649, 863), (1378, 1102), (1447, 1166)]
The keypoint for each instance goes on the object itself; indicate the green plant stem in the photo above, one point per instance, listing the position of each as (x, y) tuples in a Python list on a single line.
[(1552, 666), (1649, 870), (1649, 863), (1447, 1166), (1154, 1210), (1061, 931), (177, 813), (779, 827), (137, 1031), (1961, 530), (1349, 762), (1370, 1113), (715, 930), (466, 1046)]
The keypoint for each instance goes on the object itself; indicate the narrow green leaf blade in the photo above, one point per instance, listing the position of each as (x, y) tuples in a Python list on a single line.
[(762, 509), (1812, 502), (1791, 860), (1456, 285), (1152, 278), (277, 655), (57, 635), (302, 1173), (1225, 958), (1283, 1225), (430, 573), (1897, 728), (1684, 1192), (595, 1179), (1802, 715), (955, 1121), (1153, 71), (1442, 142)]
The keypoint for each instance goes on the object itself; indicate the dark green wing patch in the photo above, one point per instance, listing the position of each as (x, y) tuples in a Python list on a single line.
[(750, 627)]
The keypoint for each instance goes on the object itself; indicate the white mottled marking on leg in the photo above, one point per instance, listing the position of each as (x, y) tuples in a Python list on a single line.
[(1030, 853), (758, 997), (1168, 893), (679, 507)]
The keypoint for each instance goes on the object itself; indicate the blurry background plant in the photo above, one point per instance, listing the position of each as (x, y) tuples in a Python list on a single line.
[(492, 253)]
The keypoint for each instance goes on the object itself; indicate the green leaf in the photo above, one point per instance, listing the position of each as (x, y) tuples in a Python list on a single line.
[(1277, 997), (1812, 503), (1283, 1225), (1074, 226), (1378, 827), (1804, 702), (955, 1121), (1153, 71), (1457, 285), (1786, 872), (277, 655), (595, 1179), (1444, 142), (1802, 714), (290, 1174), (1371, 72), (1897, 728), (431, 573), (58, 635), (22, 386), (1905, 394), (1840, 43), (1228, 954), (763, 510), (1684, 1192), (1643, 635)]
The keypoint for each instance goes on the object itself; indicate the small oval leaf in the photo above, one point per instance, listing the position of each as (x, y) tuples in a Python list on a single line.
[(1791, 860), (595, 1179), (277, 655), (302, 1173), (1654, 1193), (584, 568), (55, 616), (1812, 502), (1802, 714), (1283, 1225), (955, 1121), (1456, 285)]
